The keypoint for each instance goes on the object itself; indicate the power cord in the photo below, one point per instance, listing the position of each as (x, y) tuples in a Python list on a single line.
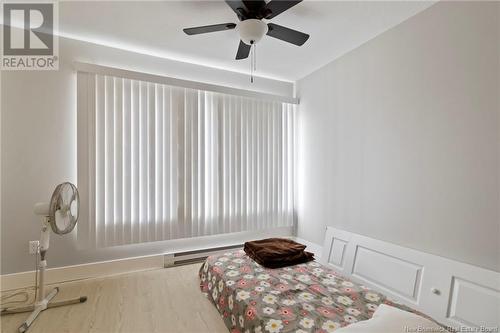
[(24, 293)]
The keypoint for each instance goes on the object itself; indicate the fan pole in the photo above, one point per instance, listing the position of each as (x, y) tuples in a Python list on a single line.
[(44, 246)]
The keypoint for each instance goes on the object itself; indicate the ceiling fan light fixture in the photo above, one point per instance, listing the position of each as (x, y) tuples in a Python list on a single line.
[(252, 30)]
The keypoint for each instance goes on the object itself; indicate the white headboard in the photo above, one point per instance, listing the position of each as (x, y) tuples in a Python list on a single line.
[(453, 293)]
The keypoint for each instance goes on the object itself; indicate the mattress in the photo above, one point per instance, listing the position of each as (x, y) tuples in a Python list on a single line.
[(302, 298)]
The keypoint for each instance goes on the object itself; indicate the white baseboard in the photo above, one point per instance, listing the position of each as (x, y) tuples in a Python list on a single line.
[(83, 271), (104, 268)]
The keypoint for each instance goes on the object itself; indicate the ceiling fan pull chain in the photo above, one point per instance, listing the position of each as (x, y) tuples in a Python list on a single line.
[(255, 57), (252, 58)]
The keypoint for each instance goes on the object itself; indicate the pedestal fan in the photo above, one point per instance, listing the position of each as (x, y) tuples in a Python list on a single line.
[(60, 215)]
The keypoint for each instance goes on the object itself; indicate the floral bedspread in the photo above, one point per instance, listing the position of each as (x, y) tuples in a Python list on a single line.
[(302, 298)]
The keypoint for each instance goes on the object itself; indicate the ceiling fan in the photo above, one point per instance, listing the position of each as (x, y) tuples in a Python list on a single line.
[(251, 27)]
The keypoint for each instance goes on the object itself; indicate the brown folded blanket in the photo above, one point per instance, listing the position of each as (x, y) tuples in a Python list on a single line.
[(277, 252)]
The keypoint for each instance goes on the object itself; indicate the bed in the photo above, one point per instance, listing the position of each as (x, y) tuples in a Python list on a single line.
[(303, 298)]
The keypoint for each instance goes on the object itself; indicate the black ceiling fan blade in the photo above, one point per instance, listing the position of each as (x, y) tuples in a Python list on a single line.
[(243, 51), (239, 8), (286, 34), (254, 6), (209, 28), (276, 7)]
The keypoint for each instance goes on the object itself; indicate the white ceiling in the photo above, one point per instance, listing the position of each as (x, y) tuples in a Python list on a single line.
[(155, 27)]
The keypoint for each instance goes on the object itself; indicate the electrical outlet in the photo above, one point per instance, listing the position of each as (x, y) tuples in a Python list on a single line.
[(34, 246)]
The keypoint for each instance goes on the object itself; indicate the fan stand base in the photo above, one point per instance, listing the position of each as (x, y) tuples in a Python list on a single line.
[(40, 306)]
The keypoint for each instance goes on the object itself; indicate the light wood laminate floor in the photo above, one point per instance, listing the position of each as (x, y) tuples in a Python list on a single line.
[(163, 300)]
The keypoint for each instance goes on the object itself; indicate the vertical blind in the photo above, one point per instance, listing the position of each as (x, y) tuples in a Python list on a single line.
[(158, 162)]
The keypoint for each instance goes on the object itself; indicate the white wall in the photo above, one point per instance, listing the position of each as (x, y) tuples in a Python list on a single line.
[(399, 139), (38, 147)]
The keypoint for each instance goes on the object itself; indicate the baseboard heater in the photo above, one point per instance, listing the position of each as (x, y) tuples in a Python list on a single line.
[(191, 257)]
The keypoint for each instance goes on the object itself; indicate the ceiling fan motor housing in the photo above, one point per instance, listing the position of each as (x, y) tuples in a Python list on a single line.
[(252, 30)]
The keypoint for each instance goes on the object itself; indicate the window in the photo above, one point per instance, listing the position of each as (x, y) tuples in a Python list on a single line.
[(158, 162)]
